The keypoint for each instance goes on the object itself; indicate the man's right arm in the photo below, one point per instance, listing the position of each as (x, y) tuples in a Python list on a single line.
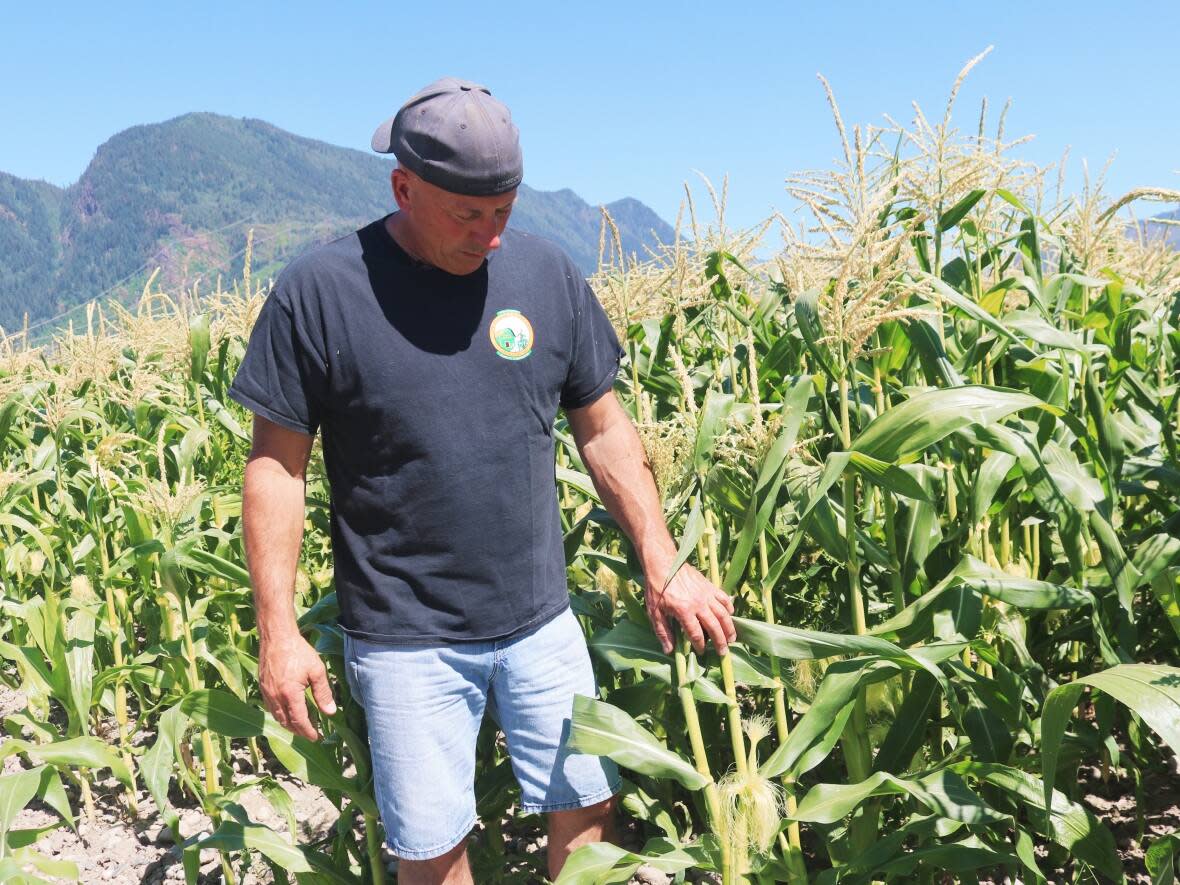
[(272, 528)]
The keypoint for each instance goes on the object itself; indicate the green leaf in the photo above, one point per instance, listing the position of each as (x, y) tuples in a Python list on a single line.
[(990, 737), (16, 791), (1151, 691), (807, 317), (910, 726), (327, 870), (1021, 592), (158, 762), (796, 645), (38, 537), (953, 857), (198, 337), (938, 369), (1029, 325), (955, 214), (988, 481), (576, 479), (888, 476), (814, 736), (604, 730), (79, 636), (1068, 824), (223, 713), (802, 645), (27, 836), (232, 835), (1153, 556), (78, 752), (59, 869), (628, 645), (860, 868), (315, 764), (602, 862), (694, 527), (713, 417), (1160, 860), (966, 305), (1008, 197), (1163, 586), (919, 422), (748, 669), (225, 418), (942, 792), (761, 506), (599, 862), (192, 556)]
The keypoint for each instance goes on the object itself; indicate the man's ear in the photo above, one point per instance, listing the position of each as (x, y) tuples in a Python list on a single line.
[(400, 182)]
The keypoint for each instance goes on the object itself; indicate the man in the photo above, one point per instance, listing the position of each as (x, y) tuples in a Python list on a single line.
[(433, 349)]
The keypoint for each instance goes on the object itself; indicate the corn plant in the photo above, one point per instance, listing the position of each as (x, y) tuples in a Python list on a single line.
[(929, 446)]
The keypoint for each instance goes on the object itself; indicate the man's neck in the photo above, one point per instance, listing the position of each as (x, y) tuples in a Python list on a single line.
[(395, 224)]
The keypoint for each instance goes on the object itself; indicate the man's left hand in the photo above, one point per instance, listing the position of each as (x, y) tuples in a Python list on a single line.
[(701, 608)]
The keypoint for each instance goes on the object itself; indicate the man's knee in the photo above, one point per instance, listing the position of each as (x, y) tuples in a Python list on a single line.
[(596, 817), (446, 869)]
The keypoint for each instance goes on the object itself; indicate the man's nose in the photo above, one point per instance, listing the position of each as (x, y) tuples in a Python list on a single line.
[(489, 233)]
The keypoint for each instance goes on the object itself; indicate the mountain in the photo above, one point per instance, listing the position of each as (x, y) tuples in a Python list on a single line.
[(181, 196), (1168, 232)]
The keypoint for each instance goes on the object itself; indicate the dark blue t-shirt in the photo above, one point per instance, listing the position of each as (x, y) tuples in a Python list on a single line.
[(436, 396)]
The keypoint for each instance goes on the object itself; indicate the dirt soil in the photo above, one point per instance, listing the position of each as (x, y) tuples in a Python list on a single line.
[(1114, 802)]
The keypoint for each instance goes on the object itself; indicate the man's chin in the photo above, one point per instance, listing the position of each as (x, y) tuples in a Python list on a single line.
[(467, 263)]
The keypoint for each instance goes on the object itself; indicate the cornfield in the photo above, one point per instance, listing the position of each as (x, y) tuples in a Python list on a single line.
[(929, 444)]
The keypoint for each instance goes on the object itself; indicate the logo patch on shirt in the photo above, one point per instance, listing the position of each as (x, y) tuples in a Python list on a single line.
[(511, 334)]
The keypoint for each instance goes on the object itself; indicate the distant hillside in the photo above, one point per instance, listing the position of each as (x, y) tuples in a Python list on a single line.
[(181, 196), (1169, 232)]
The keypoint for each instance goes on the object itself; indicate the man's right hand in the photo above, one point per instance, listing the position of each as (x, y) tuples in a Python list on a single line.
[(287, 665)]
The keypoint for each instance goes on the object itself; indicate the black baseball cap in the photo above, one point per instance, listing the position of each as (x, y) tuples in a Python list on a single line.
[(456, 136)]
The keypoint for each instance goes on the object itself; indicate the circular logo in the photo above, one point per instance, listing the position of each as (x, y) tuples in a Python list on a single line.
[(511, 334)]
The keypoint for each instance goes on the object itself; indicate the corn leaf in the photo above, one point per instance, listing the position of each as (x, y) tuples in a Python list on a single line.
[(807, 318), (917, 423), (942, 792), (1068, 824), (911, 726), (887, 476), (1151, 691), (78, 752), (604, 730), (601, 862), (814, 736), (232, 835), (771, 473)]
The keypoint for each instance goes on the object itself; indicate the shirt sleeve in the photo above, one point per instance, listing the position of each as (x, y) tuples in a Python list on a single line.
[(282, 377), (595, 355)]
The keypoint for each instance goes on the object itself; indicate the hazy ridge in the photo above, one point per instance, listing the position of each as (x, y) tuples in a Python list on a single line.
[(181, 195)]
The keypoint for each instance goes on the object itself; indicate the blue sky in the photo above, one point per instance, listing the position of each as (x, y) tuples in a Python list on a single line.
[(613, 99)]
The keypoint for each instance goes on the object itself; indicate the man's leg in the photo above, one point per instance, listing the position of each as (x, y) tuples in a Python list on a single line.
[(449, 869), (531, 698), (423, 705), (569, 830)]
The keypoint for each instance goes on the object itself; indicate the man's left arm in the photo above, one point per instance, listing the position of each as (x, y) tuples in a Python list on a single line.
[(614, 455)]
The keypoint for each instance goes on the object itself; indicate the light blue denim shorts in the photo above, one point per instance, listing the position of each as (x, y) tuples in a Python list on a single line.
[(424, 705)]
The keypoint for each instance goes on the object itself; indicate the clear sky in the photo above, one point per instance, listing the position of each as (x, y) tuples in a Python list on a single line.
[(613, 99)]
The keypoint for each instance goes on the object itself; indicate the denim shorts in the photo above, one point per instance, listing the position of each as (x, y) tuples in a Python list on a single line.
[(424, 705)]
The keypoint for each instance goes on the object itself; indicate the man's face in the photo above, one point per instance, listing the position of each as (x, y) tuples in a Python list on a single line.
[(453, 232)]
